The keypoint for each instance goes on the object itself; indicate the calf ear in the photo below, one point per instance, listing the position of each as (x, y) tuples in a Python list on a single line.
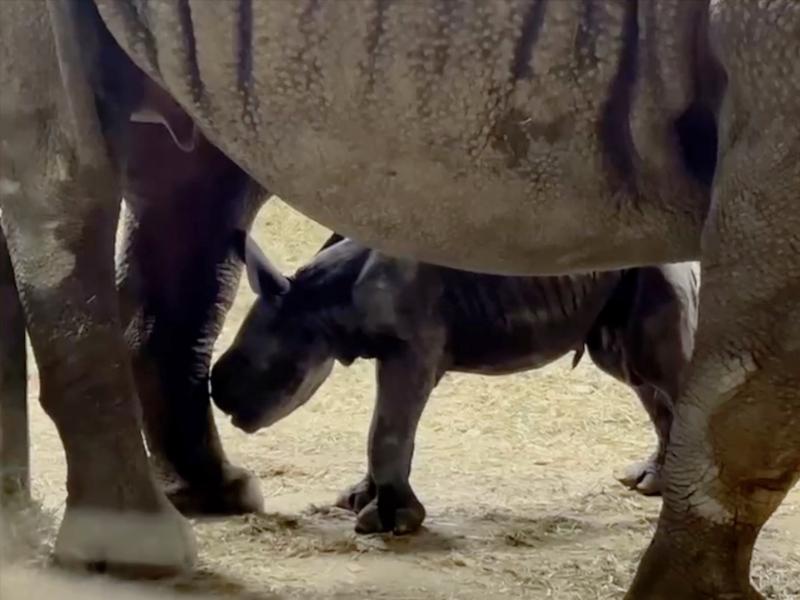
[(265, 279)]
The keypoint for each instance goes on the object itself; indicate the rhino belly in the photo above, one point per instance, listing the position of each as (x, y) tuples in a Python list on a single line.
[(471, 138)]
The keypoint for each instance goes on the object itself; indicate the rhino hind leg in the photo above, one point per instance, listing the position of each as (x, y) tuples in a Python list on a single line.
[(730, 464), (734, 451), (178, 277)]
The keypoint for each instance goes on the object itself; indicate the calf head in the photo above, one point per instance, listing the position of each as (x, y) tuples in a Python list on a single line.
[(279, 357), (348, 302)]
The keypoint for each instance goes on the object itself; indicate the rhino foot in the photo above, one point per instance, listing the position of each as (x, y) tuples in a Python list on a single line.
[(394, 509), (698, 567), (397, 519), (643, 476), (678, 588), (237, 492), (130, 544)]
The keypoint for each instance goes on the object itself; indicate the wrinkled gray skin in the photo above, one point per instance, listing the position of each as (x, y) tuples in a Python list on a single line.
[(421, 321), (552, 136), (14, 449), (174, 296), (174, 303)]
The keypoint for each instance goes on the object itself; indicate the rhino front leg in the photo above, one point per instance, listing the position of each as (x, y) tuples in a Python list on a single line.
[(384, 500), (178, 279), (14, 446), (60, 196), (734, 450), (115, 515)]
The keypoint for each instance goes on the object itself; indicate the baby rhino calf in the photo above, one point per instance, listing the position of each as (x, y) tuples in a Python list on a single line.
[(420, 321)]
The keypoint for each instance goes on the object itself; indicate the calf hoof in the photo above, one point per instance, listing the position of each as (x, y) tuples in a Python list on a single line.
[(238, 492), (398, 519), (130, 544), (358, 496), (644, 477)]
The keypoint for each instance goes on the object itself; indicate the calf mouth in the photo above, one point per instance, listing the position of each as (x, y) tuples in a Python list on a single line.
[(252, 421), (250, 411), (252, 418), (248, 419), (247, 423)]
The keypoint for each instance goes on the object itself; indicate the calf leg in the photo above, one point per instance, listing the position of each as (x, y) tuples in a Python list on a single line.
[(608, 348), (644, 338), (14, 446), (658, 347), (178, 278), (384, 500), (646, 476)]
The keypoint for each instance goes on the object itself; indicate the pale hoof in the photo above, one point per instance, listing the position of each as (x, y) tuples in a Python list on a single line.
[(129, 543), (644, 477)]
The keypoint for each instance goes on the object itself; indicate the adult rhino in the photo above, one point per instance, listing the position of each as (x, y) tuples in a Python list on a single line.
[(554, 136)]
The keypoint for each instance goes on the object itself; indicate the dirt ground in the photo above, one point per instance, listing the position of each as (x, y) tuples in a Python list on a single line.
[(516, 473)]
